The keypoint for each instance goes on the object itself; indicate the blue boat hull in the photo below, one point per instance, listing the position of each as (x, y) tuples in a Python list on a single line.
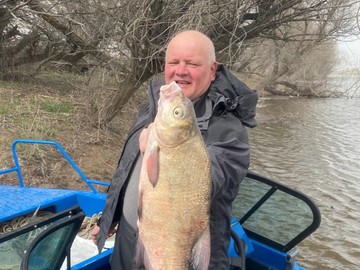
[(251, 246)]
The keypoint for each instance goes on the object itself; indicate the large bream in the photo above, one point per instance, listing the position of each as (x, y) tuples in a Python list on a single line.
[(174, 191)]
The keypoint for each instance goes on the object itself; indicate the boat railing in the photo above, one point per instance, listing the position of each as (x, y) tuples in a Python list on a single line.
[(89, 182)]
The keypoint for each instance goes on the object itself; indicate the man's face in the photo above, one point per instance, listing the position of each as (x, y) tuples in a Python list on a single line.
[(188, 64)]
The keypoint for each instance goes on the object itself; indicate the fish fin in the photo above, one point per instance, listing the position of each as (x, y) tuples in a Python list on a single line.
[(153, 164), (200, 259), (140, 200), (140, 250), (142, 258)]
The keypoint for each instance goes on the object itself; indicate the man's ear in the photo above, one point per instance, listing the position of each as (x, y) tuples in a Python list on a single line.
[(213, 70)]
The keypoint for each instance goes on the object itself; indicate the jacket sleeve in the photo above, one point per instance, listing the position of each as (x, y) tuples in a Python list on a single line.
[(228, 148)]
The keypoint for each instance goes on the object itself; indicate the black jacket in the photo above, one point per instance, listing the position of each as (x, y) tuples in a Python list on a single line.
[(222, 113)]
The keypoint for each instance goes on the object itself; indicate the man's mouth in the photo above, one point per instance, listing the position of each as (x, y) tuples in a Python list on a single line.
[(182, 82)]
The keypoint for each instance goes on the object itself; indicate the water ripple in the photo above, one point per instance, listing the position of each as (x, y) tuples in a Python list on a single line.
[(313, 145)]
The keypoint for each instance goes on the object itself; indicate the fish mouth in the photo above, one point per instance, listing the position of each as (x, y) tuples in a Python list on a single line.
[(170, 90)]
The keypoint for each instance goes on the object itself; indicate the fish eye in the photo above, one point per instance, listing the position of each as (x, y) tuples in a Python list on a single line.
[(178, 112)]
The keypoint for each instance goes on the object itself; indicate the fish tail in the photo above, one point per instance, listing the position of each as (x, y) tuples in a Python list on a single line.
[(201, 252)]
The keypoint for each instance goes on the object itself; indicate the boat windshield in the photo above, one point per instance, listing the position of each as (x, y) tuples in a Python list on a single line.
[(14, 244), (274, 214)]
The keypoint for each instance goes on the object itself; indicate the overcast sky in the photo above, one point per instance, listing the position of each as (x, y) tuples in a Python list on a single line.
[(350, 51)]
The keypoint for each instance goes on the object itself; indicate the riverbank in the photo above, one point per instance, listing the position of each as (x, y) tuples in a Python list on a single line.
[(56, 111)]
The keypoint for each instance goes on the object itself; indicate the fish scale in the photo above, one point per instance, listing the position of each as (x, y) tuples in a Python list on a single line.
[(174, 212)]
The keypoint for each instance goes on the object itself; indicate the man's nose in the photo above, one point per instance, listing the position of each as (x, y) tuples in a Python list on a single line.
[(181, 69)]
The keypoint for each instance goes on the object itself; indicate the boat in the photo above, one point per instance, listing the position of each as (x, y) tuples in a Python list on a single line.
[(269, 221)]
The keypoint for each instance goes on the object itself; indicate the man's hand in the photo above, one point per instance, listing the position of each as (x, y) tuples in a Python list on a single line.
[(144, 136), (95, 231)]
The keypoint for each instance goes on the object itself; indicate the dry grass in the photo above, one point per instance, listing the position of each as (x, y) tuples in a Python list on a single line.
[(55, 111)]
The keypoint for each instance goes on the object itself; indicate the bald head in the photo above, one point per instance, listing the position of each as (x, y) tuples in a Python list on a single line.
[(190, 62), (195, 37)]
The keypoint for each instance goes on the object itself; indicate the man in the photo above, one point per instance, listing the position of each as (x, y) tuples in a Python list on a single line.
[(223, 105)]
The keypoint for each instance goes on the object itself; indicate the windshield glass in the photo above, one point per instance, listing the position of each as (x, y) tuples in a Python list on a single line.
[(272, 212), (14, 242), (49, 249), (12, 250)]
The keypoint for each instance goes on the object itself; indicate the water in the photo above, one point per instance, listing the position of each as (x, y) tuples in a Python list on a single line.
[(313, 145)]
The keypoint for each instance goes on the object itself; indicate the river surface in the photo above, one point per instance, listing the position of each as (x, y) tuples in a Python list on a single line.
[(313, 145)]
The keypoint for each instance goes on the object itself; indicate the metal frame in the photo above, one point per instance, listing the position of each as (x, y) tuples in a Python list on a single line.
[(277, 186), (31, 226), (76, 220), (17, 169)]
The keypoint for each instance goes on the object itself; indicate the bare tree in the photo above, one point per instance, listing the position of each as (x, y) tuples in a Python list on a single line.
[(127, 38)]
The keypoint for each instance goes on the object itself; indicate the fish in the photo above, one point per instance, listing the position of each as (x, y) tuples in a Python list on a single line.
[(174, 189)]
